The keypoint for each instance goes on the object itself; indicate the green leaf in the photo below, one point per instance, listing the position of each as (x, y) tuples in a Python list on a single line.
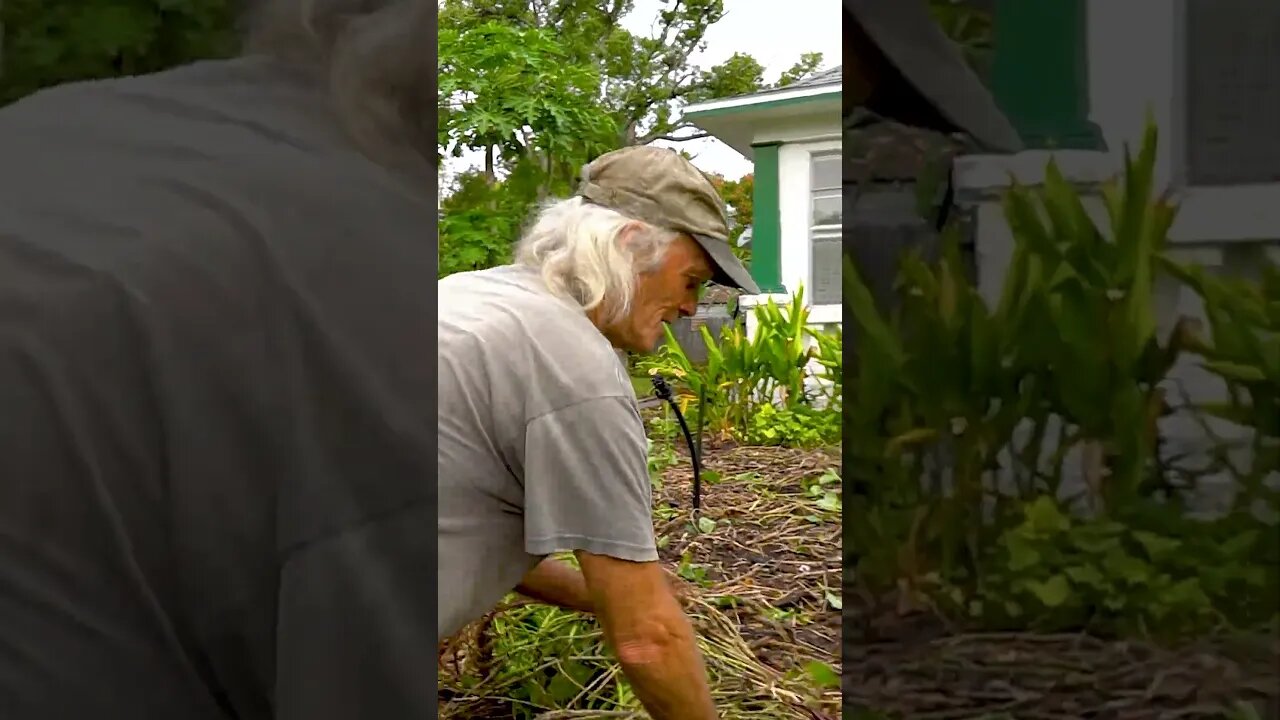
[(822, 674), (1240, 545), (1052, 592), (1185, 593), (917, 436), (1156, 546), (1086, 575), (1044, 516), (834, 600), (1021, 554), (1235, 371), (1127, 568), (830, 501), (706, 525)]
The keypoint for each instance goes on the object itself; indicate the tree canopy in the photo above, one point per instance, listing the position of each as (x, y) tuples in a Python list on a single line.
[(534, 88), (47, 42), (537, 88)]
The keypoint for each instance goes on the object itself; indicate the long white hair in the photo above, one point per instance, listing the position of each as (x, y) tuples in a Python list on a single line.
[(576, 245), (370, 53)]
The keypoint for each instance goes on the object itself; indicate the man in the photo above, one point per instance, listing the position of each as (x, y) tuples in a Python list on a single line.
[(541, 445), (216, 401)]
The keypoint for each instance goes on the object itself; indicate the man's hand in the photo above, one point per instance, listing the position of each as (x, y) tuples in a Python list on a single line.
[(555, 582), (653, 639)]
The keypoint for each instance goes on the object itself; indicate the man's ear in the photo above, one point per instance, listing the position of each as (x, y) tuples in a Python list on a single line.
[(629, 234)]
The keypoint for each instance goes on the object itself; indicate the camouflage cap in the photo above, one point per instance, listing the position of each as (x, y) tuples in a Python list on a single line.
[(662, 188)]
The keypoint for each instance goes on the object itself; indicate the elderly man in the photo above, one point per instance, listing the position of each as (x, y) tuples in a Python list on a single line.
[(216, 400), (542, 449)]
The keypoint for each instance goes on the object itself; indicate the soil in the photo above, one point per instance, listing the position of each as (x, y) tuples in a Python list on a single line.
[(914, 665), (770, 549)]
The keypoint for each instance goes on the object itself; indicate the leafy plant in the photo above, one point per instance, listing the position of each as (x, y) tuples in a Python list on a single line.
[(801, 426), (1089, 315), (1243, 350), (756, 388), (961, 412), (1054, 572), (49, 43)]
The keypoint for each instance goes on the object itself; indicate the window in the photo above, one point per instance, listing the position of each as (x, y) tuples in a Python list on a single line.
[(1231, 81), (826, 196), (826, 206)]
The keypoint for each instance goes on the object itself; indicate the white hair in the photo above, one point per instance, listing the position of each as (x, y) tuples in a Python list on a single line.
[(369, 54), (576, 246)]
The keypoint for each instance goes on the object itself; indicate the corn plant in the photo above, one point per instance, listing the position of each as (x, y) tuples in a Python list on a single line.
[(744, 373), (828, 352), (1086, 315), (931, 405), (1243, 350), (944, 387), (782, 349)]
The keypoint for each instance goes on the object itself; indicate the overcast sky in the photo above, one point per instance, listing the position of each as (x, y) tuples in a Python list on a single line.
[(775, 32)]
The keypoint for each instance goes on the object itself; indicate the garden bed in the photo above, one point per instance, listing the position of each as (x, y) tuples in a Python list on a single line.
[(914, 666), (759, 576)]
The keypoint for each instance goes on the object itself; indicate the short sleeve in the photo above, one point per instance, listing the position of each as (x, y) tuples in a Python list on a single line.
[(586, 484), (355, 627)]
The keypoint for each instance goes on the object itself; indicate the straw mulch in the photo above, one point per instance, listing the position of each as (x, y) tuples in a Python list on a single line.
[(917, 665), (761, 588), (1060, 677)]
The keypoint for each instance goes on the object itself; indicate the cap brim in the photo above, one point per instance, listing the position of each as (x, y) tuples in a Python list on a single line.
[(729, 270)]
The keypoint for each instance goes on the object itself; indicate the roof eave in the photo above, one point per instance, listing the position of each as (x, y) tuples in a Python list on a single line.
[(761, 101)]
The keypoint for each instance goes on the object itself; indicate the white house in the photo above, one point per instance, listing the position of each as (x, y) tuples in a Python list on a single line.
[(1078, 85), (1078, 78), (793, 137)]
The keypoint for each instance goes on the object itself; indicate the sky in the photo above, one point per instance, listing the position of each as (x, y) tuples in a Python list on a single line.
[(774, 32)]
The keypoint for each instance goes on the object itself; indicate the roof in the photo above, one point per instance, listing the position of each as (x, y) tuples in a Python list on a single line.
[(834, 76), (881, 150), (718, 295), (817, 85), (923, 78)]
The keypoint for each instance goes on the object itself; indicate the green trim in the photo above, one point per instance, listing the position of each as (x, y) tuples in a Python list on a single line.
[(766, 225), (1040, 73), (745, 107)]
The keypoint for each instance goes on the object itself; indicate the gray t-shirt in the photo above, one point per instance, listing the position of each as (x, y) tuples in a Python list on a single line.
[(215, 406), (542, 448)]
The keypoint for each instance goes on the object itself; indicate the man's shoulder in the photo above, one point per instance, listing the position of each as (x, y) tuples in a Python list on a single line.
[(547, 341)]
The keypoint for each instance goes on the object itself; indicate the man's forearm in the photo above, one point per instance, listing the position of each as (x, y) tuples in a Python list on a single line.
[(669, 678), (558, 583)]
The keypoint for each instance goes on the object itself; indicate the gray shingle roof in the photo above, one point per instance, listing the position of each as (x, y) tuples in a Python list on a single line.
[(832, 76), (821, 77)]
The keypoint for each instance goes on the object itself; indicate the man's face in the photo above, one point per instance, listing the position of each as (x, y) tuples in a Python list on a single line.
[(667, 292)]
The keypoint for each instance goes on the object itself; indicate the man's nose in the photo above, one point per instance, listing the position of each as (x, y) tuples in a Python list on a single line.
[(689, 307)]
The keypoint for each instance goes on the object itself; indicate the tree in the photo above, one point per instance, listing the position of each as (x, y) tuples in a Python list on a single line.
[(515, 93), (738, 195), (47, 42), (538, 87), (807, 63), (645, 79), (969, 24)]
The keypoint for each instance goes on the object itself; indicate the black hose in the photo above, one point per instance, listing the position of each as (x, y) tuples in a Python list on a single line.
[(663, 392)]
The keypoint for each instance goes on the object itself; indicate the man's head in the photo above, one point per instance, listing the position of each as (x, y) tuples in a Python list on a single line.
[(370, 55), (646, 231)]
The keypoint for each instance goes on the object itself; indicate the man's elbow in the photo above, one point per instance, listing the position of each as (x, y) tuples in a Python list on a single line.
[(653, 642)]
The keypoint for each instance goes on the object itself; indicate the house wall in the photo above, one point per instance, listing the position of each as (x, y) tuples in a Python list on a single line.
[(793, 207), (1126, 78), (1225, 229), (800, 129)]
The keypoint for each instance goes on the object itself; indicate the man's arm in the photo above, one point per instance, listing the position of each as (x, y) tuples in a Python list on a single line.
[(555, 582), (651, 635), (354, 632)]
